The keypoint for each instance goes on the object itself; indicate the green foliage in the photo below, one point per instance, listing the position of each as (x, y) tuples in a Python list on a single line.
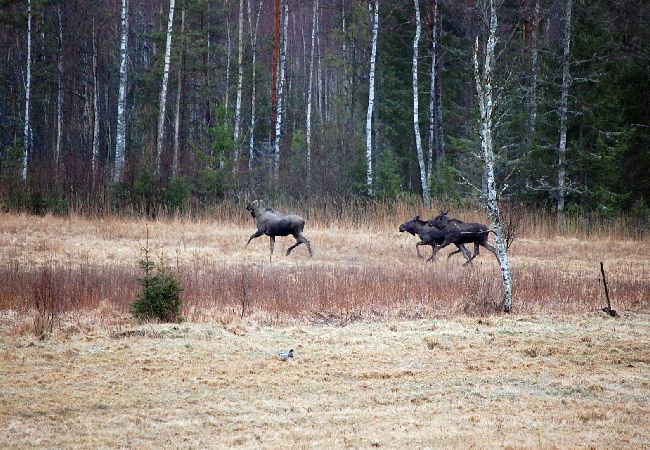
[(15, 197), (159, 298), (388, 182), (215, 176), (443, 182), (176, 193), (146, 188)]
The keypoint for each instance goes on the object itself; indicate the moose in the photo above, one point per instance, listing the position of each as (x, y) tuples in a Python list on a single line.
[(429, 235), (458, 232), (272, 223)]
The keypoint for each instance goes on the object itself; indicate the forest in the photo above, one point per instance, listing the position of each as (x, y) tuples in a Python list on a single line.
[(143, 105)]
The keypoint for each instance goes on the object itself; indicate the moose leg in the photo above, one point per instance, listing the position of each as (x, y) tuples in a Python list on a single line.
[(490, 248), (437, 249), (257, 234), (272, 244), (417, 247), (300, 239)]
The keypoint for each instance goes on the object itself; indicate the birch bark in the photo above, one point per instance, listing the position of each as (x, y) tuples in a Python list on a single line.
[(59, 96), (28, 89), (281, 82), (240, 77), (120, 136), (163, 90), (179, 95), (433, 13), (252, 31), (95, 151), (424, 178), (310, 93), (486, 108), (371, 97), (561, 163), (228, 55), (533, 71)]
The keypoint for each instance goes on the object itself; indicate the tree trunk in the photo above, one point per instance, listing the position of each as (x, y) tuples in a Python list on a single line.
[(240, 78), (278, 123), (486, 107), (371, 97), (59, 96), (163, 90), (433, 20), (252, 31), (28, 89), (424, 178), (310, 92), (179, 95), (276, 50), (120, 137), (228, 55), (532, 98), (561, 163), (95, 152)]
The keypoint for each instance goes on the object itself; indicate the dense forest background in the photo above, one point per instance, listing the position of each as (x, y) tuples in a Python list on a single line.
[(61, 81)]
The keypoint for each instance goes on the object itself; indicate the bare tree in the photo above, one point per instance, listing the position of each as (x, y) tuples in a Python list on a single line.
[(59, 96), (433, 19), (120, 137), (310, 91), (28, 88), (276, 52), (163, 90), (424, 177), (371, 96), (252, 31), (179, 95), (484, 90), (240, 77), (561, 151), (532, 98), (95, 152), (278, 122)]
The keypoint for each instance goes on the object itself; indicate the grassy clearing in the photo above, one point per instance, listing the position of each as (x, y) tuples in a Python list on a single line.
[(526, 381), (390, 351)]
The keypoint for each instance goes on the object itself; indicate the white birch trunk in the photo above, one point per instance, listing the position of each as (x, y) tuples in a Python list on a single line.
[(240, 78), (120, 136), (281, 82), (432, 115), (59, 96), (252, 31), (228, 54), (486, 107), (424, 178), (95, 151), (28, 89), (561, 163), (319, 74), (179, 94), (309, 91), (371, 97), (163, 90), (533, 71)]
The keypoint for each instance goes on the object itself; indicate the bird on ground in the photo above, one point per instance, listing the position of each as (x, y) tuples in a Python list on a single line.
[(285, 355)]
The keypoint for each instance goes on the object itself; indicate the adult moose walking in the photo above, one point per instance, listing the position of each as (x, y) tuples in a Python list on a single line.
[(458, 232), (429, 236), (272, 223)]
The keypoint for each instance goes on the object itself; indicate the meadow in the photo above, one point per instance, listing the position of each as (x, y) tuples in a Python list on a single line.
[(391, 350)]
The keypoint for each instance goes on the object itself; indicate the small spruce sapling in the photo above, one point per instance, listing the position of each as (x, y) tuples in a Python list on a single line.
[(160, 295)]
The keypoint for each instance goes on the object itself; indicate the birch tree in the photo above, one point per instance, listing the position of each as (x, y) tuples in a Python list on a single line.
[(59, 95), (240, 78), (484, 90), (252, 32), (424, 178), (120, 137), (95, 150), (276, 51), (179, 95), (564, 96), (28, 89), (371, 96), (310, 91), (532, 97), (281, 82), (228, 55), (433, 104), (163, 89)]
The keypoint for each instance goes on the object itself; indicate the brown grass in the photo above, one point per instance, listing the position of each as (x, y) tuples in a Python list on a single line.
[(390, 351), (518, 382)]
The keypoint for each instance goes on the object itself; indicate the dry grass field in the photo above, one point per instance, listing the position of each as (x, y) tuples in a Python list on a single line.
[(390, 351)]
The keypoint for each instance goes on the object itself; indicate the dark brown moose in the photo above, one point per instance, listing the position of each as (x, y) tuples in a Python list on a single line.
[(429, 235), (272, 223), (458, 232)]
